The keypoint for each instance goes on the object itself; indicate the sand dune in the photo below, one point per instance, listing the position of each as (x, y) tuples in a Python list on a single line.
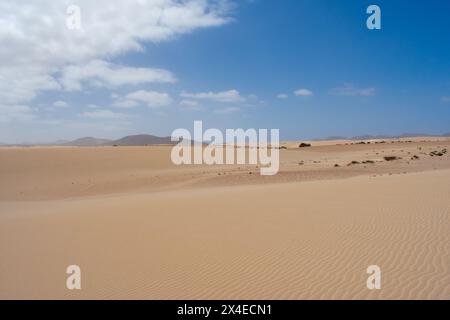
[(193, 234)]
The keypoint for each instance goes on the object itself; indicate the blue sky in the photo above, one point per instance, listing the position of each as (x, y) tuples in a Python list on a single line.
[(243, 69)]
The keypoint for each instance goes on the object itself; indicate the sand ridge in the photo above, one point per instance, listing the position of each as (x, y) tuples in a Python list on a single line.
[(51, 173)]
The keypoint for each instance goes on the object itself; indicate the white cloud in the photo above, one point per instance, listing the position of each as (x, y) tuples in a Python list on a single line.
[(224, 96), (150, 98), (303, 93), (445, 99), (60, 104), (104, 114), (228, 110), (99, 73), (190, 105), (125, 103), (22, 83), (282, 96), (21, 113), (352, 91), (40, 53)]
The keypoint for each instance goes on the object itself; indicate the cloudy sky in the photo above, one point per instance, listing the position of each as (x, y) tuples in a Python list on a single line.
[(308, 67)]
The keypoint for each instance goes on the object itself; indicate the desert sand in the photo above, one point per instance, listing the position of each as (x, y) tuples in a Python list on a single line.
[(141, 228)]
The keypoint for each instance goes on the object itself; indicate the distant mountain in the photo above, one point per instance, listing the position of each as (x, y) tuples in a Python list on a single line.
[(146, 139), (35, 144), (362, 137), (370, 137), (408, 135), (88, 142), (134, 140), (141, 140), (336, 138), (373, 137)]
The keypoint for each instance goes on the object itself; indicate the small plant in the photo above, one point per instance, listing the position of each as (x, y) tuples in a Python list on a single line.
[(304, 145), (391, 158)]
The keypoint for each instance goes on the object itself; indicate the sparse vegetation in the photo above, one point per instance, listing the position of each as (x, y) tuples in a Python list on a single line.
[(436, 153), (391, 158), (304, 145)]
